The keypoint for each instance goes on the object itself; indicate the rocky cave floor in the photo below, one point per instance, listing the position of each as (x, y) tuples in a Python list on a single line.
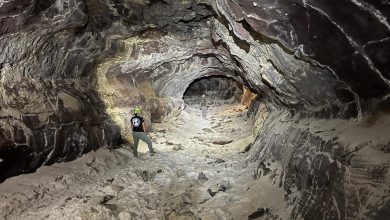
[(199, 171)]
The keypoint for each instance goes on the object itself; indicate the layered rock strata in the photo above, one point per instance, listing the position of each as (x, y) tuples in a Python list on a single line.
[(72, 69), (311, 61)]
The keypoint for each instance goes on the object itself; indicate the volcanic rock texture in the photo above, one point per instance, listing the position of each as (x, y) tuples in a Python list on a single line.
[(71, 70)]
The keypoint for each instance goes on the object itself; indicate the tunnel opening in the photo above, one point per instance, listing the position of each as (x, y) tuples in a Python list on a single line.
[(216, 89), (233, 117), (224, 95)]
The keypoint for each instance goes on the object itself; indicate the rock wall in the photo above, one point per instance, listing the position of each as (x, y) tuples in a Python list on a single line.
[(313, 63), (49, 110), (43, 122), (71, 70), (333, 168), (311, 55)]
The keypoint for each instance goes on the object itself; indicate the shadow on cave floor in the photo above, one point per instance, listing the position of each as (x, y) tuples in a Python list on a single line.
[(199, 171)]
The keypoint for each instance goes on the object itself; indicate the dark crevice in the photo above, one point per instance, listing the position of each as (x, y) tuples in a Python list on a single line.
[(42, 5)]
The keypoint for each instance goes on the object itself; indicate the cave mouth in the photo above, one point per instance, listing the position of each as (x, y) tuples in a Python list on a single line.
[(217, 90)]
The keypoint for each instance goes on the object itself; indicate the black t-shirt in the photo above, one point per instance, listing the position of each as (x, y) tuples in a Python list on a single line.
[(137, 121)]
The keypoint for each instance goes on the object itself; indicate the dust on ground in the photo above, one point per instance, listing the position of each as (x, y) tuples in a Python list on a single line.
[(200, 171)]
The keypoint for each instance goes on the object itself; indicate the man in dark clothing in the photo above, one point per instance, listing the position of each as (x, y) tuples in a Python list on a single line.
[(137, 123)]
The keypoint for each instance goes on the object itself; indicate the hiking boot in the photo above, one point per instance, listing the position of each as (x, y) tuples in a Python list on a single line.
[(152, 153)]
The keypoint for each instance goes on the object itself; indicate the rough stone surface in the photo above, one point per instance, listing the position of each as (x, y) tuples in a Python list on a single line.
[(71, 70), (311, 58), (335, 165), (43, 122), (322, 43)]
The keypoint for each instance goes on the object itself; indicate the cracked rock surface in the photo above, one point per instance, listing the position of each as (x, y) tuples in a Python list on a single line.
[(72, 70)]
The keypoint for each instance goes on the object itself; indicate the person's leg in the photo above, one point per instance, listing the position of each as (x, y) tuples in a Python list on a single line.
[(147, 140), (136, 141), (204, 112)]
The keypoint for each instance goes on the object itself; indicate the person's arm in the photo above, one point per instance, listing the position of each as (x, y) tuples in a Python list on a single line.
[(143, 127)]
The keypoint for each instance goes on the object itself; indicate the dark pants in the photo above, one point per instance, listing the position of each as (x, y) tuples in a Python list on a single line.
[(141, 136)]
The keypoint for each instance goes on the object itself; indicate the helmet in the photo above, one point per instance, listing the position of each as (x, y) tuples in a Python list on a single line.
[(137, 110)]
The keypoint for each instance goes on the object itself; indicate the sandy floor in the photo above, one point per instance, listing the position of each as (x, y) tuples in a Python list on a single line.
[(199, 172)]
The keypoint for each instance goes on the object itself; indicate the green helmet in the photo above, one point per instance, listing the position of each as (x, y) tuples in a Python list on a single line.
[(137, 110)]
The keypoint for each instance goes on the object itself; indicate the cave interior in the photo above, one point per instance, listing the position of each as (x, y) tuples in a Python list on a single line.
[(297, 121)]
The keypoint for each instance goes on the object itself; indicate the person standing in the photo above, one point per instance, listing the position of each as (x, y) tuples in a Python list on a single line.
[(137, 124), (203, 106)]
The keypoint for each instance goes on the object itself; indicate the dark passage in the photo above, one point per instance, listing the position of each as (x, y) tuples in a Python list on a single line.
[(217, 89)]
